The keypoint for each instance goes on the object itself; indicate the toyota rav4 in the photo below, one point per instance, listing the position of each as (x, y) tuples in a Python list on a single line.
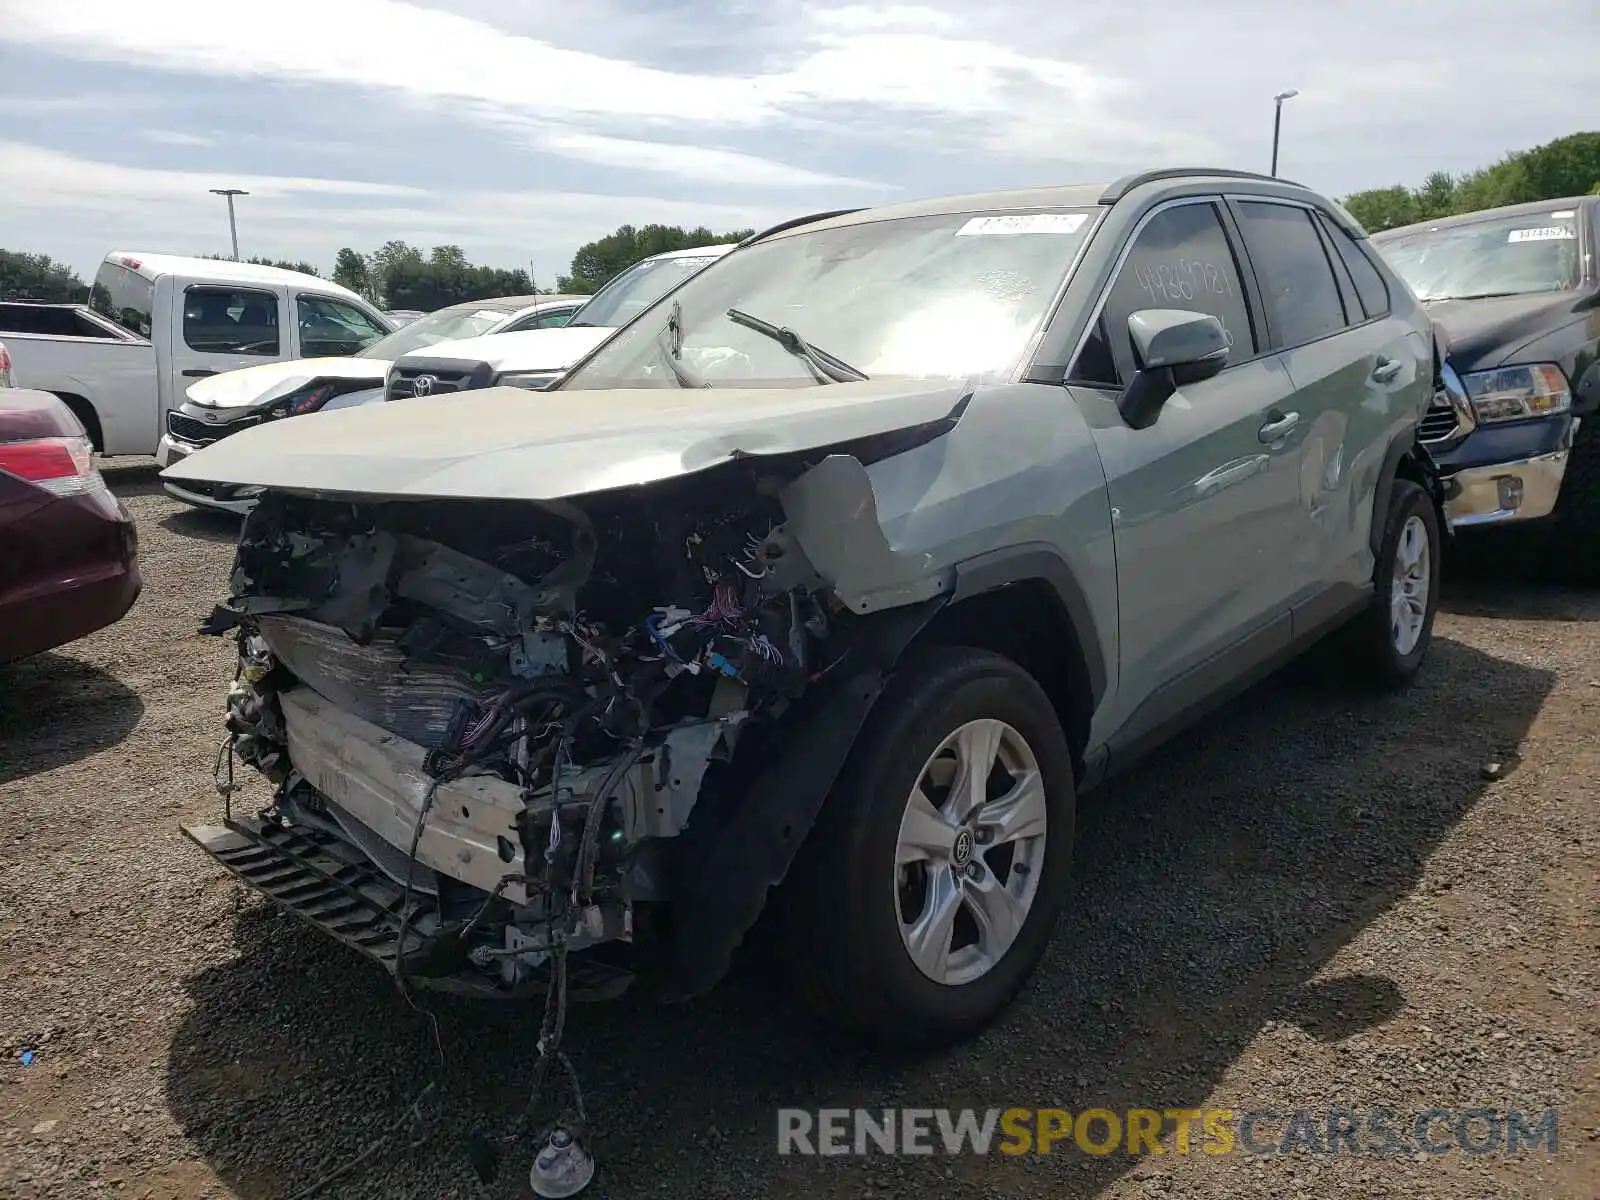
[(834, 578)]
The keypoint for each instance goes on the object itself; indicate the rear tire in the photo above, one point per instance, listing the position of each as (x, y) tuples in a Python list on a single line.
[(1385, 645), (894, 935)]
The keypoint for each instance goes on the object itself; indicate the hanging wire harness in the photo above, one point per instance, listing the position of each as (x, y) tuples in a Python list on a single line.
[(538, 695)]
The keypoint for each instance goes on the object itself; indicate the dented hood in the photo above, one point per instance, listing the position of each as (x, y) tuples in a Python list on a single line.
[(509, 443), (251, 386)]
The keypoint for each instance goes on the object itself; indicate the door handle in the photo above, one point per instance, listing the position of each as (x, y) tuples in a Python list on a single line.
[(1386, 370), (1280, 426), (197, 374)]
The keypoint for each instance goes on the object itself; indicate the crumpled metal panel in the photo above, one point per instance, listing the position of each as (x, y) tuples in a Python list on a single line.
[(374, 681)]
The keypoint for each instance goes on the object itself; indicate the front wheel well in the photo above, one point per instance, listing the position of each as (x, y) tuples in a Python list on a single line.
[(1028, 623), (1417, 465)]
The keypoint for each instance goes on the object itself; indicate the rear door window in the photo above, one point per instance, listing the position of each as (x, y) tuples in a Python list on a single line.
[(1181, 258), (1297, 282), (227, 320)]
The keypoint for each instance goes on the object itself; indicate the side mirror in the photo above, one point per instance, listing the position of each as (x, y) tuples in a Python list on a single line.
[(1171, 347)]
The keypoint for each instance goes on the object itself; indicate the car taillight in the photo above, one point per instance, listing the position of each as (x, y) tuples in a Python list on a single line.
[(63, 466)]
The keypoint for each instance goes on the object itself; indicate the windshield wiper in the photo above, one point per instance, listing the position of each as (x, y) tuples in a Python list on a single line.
[(670, 342), (819, 360)]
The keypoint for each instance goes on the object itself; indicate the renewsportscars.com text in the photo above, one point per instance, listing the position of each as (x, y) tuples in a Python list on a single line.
[(1101, 1131)]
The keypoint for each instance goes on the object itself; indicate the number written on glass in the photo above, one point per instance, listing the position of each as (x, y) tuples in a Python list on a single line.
[(1181, 279)]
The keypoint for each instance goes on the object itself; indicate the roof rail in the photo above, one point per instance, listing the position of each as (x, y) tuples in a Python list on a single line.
[(1127, 183), (792, 222)]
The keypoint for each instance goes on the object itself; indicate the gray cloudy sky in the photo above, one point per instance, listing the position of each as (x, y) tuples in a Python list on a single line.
[(523, 128)]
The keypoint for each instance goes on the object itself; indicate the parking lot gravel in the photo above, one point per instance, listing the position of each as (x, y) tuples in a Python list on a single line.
[(1314, 899)]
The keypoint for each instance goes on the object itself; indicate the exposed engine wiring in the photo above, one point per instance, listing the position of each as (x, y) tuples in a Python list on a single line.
[(557, 681)]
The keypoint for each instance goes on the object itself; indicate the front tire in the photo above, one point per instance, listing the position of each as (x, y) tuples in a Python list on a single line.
[(926, 893), (1384, 646)]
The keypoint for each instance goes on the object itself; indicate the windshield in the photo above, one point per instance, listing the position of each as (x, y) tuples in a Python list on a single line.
[(636, 289), (1506, 256), (956, 295), (445, 325)]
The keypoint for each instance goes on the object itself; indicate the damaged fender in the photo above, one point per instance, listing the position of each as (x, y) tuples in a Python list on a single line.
[(727, 865)]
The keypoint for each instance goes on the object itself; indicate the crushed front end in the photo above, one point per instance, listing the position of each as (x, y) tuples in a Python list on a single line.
[(488, 724)]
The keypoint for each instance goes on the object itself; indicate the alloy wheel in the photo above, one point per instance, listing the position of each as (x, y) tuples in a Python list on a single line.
[(1410, 585), (970, 852)]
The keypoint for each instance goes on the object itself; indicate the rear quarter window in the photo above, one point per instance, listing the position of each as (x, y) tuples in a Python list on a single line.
[(1370, 287), (123, 296)]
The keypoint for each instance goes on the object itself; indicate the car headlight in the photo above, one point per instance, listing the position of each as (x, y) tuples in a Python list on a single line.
[(534, 381), (296, 403), (1514, 393)]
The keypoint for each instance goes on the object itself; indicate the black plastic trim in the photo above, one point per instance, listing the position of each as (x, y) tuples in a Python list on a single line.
[(726, 862), (1380, 499), (796, 222), (1030, 561), (1203, 687), (1207, 686)]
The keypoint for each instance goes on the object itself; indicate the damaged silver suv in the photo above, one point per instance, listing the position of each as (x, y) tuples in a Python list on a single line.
[(828, 584)]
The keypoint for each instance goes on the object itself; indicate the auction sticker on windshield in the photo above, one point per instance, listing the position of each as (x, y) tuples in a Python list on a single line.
[(1023, 223), (1550, 233)]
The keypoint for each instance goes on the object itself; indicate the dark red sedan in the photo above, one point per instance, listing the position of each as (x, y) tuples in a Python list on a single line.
[(68, 548)]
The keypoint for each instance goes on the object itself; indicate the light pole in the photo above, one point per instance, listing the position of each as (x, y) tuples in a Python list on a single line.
[(233, 229), (1277, 124)]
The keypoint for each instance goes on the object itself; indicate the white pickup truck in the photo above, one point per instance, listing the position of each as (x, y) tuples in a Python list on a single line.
[(155, 323)]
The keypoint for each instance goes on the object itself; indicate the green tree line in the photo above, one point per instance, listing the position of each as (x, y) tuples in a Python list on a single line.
[(39, 277), (596, 263), (1568, 166)]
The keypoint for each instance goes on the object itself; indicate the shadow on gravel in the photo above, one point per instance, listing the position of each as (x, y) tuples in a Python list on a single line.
[(1498, 600), (132, 477), (1212, 887), (204, 524), (56, 710)]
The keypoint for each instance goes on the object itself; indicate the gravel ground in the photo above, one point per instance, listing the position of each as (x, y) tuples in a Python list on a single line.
[(1316, 899)]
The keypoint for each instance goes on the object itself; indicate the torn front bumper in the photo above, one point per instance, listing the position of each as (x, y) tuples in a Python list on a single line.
[(331, 885), (343, 864)]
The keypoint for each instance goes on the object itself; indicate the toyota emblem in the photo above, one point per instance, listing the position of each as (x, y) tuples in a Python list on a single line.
[(424, 385)]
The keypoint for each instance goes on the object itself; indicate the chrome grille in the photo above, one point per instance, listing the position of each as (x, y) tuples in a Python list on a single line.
[(203, 433), (1441, 422)]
